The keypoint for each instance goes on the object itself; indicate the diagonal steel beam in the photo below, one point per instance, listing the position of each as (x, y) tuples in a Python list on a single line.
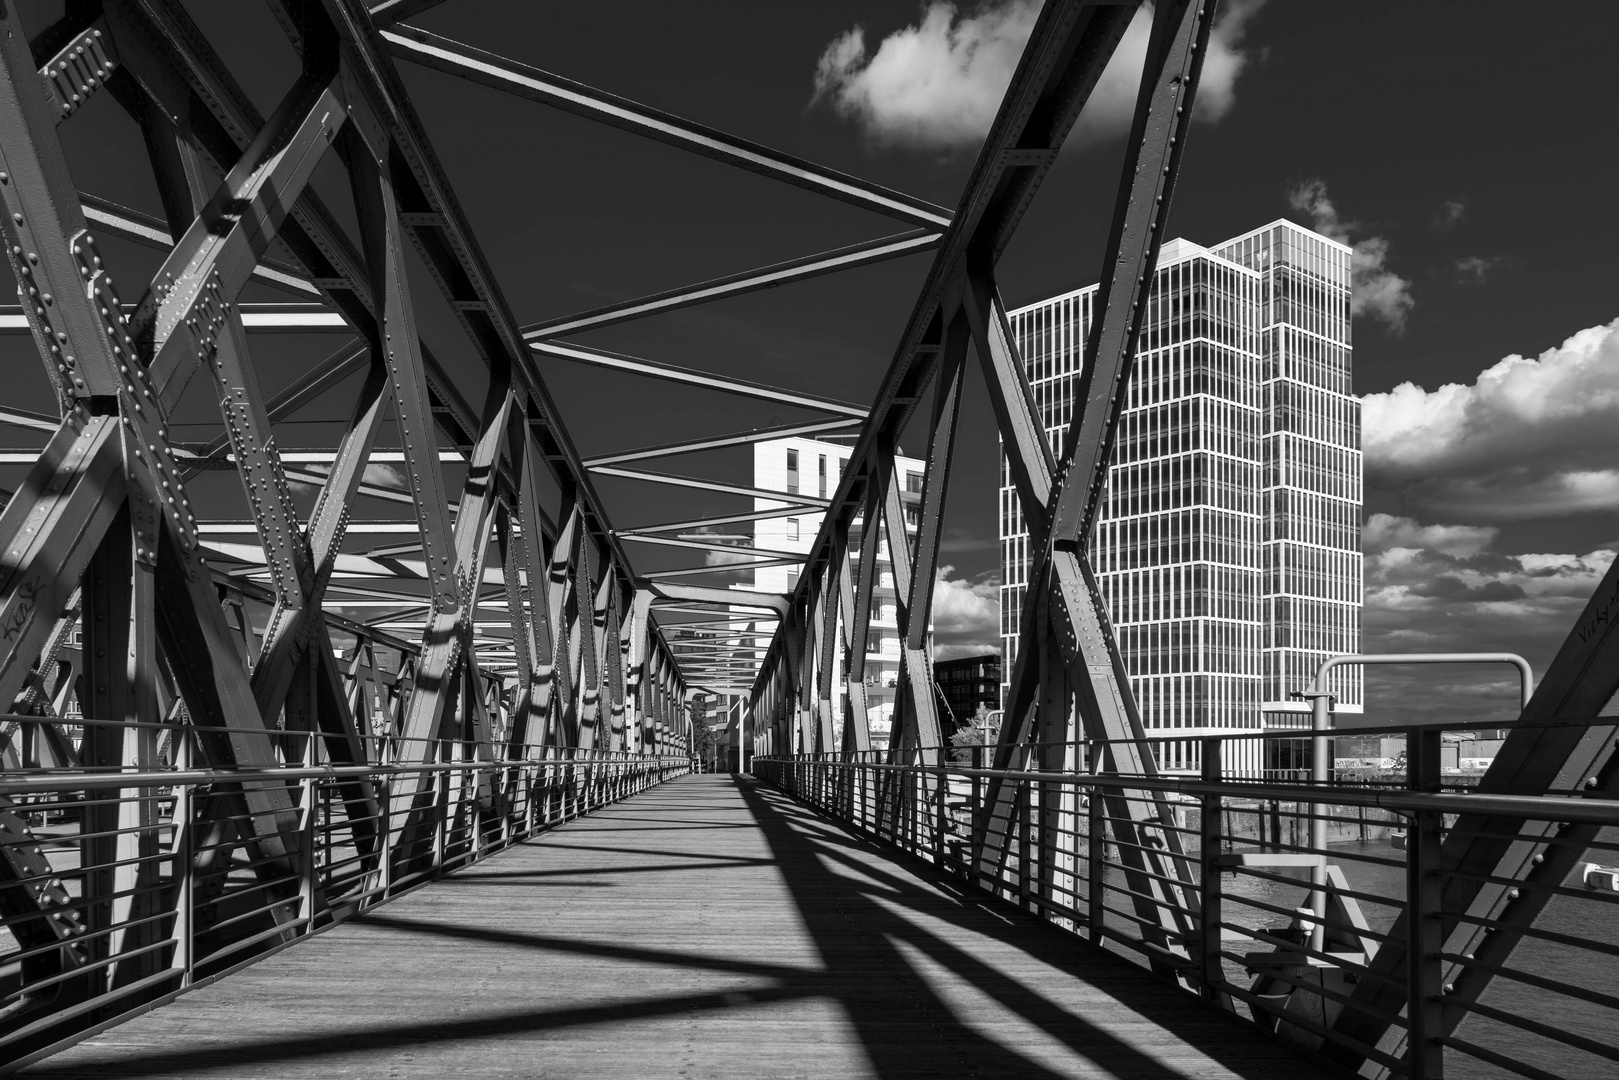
[(728, 549), (808, 502), (716, 442), (455, 58), (1070, 46), (120, 221), (1075, 612), (1496, 875), (388, 12), (562, 350), (705, 523), (749, 281)]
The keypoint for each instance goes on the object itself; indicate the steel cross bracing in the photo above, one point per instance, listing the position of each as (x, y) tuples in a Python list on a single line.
[(1066, 621), (1491, 877), (213, 645), (210, 644)]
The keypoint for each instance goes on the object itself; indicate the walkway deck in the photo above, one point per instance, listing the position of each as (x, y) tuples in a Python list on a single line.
[(707, 928)]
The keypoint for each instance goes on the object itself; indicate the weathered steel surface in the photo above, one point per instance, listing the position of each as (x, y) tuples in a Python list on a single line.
[(707, 928)]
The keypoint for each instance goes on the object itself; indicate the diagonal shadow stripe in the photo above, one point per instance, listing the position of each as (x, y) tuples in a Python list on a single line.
[(385, 1039), (586, 948), (799, 851)]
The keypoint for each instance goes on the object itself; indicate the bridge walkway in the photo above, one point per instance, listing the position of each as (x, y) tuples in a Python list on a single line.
[(709, 927)]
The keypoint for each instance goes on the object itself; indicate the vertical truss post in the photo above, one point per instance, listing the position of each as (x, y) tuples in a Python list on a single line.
[(455, 575), (832, 592), (120, 845), (613, 655), (523, 645), (1058, 805), (559, 593), (920, 731), (642, 643), (588, 601), (803, 659), (860, 628)]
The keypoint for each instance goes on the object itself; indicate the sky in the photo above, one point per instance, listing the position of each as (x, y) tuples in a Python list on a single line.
[(1466, 151)]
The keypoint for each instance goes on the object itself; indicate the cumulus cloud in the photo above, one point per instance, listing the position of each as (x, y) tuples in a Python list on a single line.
[(957, 650), (938, 84), (962, 606), (1379, 293), (1384, 532), (1440, 588), (1529, 438), (966, 614)]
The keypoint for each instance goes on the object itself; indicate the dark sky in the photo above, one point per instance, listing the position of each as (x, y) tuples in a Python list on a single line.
[(1398, 108)]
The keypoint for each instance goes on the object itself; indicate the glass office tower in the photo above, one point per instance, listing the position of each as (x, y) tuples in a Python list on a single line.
[(1227, 543), (1312, 498)]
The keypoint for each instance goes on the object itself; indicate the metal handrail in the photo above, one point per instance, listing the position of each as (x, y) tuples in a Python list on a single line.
[(1526, 674), (1064, 858), (341, 860), (1536, 807), (77, 780)]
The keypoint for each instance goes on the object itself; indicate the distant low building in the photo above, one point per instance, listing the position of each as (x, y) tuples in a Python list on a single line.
[(1459, 751), (966, 683)]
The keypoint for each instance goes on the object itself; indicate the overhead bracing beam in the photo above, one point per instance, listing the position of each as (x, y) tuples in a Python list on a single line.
[(766, 277), (706, 380), (465, 61)]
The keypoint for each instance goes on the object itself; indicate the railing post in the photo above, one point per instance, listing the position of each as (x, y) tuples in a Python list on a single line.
[(185, 875), (1096, 844), (942, 784), (441, 825), (1425, 1058), (385, 860), (1209, 841), (1025, 796), (306, 887), (860, 792)]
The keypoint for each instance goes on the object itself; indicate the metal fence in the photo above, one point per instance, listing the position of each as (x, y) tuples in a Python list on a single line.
[(159, 881), (1275, 900)]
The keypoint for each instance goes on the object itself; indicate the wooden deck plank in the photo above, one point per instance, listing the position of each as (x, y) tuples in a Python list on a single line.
[(709, 927)]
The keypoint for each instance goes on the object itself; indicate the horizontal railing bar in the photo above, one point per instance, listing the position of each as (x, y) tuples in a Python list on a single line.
[(1528, 978), (1499, 1060), (1527, 807), (63, 781)]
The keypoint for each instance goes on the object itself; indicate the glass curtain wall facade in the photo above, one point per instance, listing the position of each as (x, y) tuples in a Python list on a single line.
[(1194, 567), (1312, 486)]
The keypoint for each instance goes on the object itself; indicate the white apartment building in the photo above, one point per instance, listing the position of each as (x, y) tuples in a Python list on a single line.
[(813, 467)]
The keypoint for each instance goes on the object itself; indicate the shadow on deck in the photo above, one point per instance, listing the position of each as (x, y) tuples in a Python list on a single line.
[(709, 927)]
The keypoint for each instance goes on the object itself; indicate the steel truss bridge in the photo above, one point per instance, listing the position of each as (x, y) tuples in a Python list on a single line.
[(208, 756)]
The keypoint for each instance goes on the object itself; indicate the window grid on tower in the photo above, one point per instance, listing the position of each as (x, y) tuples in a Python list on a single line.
[(1226, 547)]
